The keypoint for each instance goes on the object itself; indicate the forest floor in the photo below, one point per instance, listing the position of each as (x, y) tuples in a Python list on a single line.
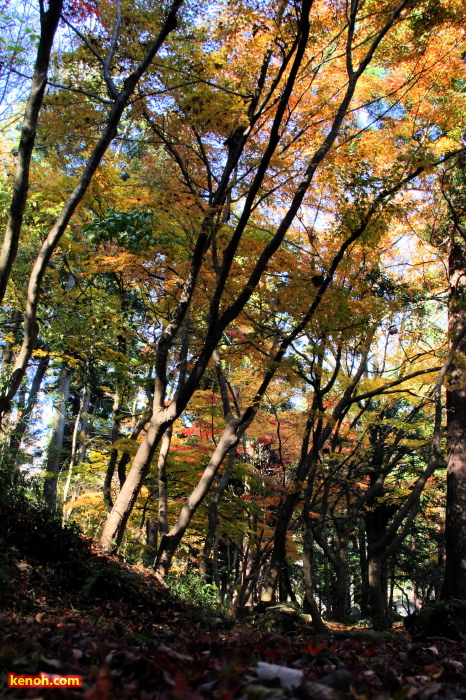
[(128, 637)]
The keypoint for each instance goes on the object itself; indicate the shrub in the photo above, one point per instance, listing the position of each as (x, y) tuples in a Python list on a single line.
[(193, 588)]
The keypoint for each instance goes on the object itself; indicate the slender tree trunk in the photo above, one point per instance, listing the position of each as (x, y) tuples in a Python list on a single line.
[(309, 600), (279, 546), (248, 565), (170, 541), (252, 573), (213, 514), (455, 523), (56, 440), (85, 425), (83, 407), (21, 426), (328, 593), (163, 481), (288, 584), (392, 586), (151, 533), (339, 559), (215, 576), (341, 592), (48, 26), (114, 435)]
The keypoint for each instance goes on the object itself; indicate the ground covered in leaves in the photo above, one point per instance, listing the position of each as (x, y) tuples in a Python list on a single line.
[(123, 632)]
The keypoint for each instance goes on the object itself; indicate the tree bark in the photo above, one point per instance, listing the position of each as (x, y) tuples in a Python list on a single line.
[(163, 481), (455, 523), (377, 603), (85, 425), (309, 600), (151, 533), (56, 440), (342, 589), (363, 600)]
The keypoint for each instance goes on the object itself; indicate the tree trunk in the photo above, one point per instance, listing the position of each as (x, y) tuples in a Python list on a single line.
[(48, 26), (341, 593), (21, 426), (85, 425), (114, 435), (83, 407), (56, 440), (455, 523), (279, 546), (163, 481), (170, 541), (309, 600), (151, 534), (213, 514), (364, 598), (379, 616)]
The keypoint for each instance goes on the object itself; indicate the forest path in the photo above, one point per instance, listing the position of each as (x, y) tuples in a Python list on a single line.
[(152, 646)]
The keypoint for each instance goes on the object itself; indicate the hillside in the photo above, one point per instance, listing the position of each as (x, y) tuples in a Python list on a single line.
[(68, 609)]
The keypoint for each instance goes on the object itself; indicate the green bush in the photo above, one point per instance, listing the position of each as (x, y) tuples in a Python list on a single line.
[(193, 588)]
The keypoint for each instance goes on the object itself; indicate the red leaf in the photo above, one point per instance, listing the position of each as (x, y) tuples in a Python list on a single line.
[(312, 650)]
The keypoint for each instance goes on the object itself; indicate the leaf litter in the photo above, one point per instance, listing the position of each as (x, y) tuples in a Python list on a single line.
[(150, 645)]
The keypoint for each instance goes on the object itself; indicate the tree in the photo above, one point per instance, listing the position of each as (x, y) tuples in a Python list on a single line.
[(455, 523), (118, 104), (290, 66)]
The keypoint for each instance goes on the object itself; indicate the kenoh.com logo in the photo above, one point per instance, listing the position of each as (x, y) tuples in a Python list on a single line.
[(42, 680)]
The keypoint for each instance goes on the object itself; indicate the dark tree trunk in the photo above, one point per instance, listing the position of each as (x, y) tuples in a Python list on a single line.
[(342, 582), (279, 546), (310, 604), (377, 521), (376, 598), (455, 524), (213, 514), (287, 583), (151, 533)]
